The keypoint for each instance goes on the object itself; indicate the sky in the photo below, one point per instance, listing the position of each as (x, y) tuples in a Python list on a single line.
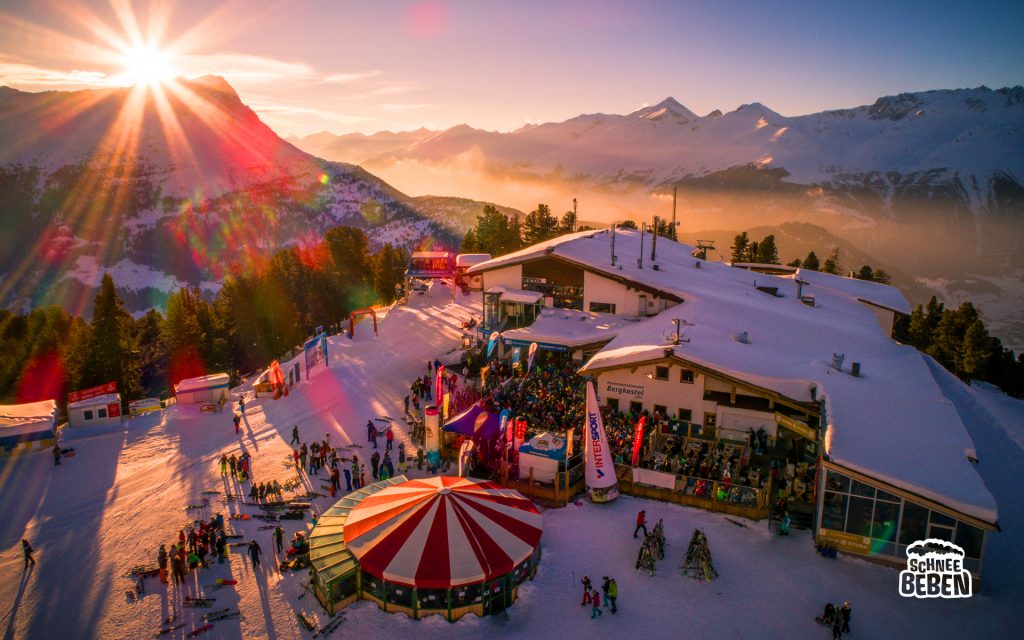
[(346, 66)]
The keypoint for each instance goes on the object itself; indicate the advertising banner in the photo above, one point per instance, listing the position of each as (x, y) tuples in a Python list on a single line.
[(601, 481), (638, 440), (530, 356), (145, 405), (491, 343), (432, 435), (92, 392)]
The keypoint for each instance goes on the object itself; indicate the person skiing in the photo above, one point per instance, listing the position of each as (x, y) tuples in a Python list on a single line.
[(613, 593), (401, 457), (375, 463), (279, 539), (641, 523), (348, 480), (56, 455), (237, 419), (295, 435), (224, 464), (389, 439), (161, 562), (27, 549), (370, 429), (605, 585), (303, 453), (373, 435), (254, 553), (241, 404), (844, 614)]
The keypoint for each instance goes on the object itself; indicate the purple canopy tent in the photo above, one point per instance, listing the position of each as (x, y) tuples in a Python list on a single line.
[(475, 422)]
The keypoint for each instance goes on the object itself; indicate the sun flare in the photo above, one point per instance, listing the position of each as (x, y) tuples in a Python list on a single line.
[(147, 65)]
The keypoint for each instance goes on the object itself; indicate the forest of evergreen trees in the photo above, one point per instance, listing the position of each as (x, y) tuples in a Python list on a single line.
[(254, 318)]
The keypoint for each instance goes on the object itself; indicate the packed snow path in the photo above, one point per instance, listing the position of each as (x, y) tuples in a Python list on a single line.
[(124, 493)]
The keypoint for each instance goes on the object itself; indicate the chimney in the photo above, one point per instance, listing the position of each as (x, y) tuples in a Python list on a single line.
[(654, 240), (613, 243), (837, 361), (640, 260)]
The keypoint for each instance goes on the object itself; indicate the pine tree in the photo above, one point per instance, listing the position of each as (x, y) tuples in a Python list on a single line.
[(568, 223), (976, 349), (882, 277), (866, 273), (832, 264), (739, 247), (628, 224), (811, 262), (794, 263), (751, 252), (152, 353), (919, 334), (539, 225), (469, 244), (767, 253), (389, 265), (111, 356)]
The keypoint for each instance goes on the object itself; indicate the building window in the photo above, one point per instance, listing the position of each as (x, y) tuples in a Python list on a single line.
[(686, 376), (101, 413), (636, 407), (87, 415), (613, 405), (661, 410), (686, 415), (833, 513), (661, 373), (602, 307)]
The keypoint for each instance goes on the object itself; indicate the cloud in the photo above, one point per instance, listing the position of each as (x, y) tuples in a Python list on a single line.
[(14, 73), (934, 546), (348, 78)]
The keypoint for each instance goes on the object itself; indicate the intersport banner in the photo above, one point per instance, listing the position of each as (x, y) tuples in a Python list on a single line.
[(439, 386), (601, 480), (638, 440)]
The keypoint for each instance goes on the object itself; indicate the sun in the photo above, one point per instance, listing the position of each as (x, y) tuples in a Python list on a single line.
[(147, 65)]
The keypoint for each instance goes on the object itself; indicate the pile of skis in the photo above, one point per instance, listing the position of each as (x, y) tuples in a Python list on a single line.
[(652, 549), (698, 558)]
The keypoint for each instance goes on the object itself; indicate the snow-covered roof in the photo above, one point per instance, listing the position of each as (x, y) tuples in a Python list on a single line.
[(109, 398), (470, 259), (878, 294), (202, 383), (892, 423), (430, 254), (570, 328), (44, 411), (516, 295), (533, 251)]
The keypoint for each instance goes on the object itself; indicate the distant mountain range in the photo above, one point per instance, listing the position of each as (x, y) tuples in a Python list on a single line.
[(929, 182), (170, 188)]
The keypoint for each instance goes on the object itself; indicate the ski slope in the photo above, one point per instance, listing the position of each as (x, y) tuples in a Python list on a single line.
[(108, 508)]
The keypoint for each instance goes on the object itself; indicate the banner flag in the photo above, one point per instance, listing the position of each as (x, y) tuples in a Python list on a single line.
[(638, 440), (515, 357), (491, 343), (529, 358), (600, 475), (503, 419), (439, 385)]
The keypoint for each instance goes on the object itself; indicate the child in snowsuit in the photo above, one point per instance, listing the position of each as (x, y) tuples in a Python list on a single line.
[(161, 562), (254, 553), (595, 603)]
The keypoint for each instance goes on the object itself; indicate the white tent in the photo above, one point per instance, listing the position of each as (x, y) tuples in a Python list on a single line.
[(27, 426), (202, 390)]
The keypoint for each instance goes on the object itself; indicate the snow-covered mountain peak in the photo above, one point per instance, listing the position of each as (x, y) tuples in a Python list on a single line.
[(668, 110)]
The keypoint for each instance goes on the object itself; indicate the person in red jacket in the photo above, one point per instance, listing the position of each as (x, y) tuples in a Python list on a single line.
[(641, 523), (595, 603), (389, 437)]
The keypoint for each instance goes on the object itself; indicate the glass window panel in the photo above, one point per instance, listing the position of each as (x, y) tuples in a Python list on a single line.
[(467, 595), (970, 539), (399, 594), (686, 376), (883, 548), (661, 373), (834, 511), (914, 526), (860, 489), (885, 495), (940, 532), (883, 525), (432, 598), (373, 585), (858, 518), (943, 519), (837, 482)]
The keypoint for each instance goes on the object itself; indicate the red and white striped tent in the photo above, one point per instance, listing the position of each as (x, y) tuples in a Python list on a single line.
[(443, 532)]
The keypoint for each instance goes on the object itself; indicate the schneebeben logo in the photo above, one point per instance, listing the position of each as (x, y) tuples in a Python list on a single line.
[(935, 569)]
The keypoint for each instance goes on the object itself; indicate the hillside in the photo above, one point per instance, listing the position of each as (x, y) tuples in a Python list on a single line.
[(168, 187)]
